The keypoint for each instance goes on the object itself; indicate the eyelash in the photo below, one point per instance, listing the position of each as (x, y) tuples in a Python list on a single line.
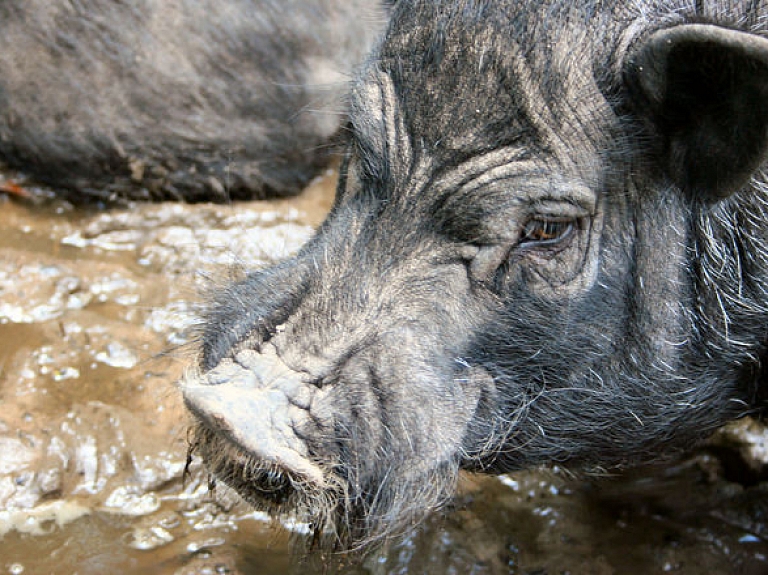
[(541, 232)]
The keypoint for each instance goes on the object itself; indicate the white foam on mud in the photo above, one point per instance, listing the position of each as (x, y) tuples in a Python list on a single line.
[(40, 519)]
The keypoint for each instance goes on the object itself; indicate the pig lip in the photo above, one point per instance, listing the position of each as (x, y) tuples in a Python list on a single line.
[(249, 407), (262, 485)]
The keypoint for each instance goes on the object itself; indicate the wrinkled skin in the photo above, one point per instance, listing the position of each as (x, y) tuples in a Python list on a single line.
[(548, 245), (193, 100)]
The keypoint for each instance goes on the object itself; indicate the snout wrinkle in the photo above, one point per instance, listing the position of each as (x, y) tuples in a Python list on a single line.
[(257, 403)]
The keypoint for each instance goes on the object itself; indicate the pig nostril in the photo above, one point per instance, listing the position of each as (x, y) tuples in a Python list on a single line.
[(319, 383)]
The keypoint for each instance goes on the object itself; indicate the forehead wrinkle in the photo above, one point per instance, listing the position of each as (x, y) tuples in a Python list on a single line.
[(393, 123), (380, 129), (484, 170), (464, 190), (558, 95), (535, 107)]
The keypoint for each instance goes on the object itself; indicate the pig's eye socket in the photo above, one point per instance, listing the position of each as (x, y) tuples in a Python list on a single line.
[(542, 232)]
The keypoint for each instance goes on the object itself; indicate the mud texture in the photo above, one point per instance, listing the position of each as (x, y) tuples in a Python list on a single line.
[(97, 322)]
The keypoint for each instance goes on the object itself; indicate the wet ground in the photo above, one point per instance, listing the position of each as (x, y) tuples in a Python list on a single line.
[(97, 322)]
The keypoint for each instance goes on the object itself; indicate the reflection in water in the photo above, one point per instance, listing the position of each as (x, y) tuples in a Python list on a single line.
[(97, 319)]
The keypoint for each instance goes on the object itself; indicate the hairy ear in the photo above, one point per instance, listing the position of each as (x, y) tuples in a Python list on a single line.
[(704, 90)]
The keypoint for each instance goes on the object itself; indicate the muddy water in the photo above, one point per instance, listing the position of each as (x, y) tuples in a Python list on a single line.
[(97, 321)]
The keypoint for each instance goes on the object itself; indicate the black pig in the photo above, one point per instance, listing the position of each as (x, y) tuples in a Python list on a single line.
[(549, 244), (151, 99)]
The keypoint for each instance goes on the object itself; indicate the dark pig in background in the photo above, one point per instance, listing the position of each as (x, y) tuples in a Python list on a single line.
[(192, 100), (549, 244)]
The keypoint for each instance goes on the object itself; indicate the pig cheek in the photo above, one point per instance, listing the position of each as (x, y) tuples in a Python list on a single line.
[(356, 435)]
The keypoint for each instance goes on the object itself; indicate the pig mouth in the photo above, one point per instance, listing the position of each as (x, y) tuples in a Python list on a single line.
[(251, 412)]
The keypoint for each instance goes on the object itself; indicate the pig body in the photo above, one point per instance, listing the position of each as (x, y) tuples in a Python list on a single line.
[(549, 244), (160, 100)]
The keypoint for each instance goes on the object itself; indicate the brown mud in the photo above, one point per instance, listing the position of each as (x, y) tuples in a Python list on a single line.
[(98, 312)]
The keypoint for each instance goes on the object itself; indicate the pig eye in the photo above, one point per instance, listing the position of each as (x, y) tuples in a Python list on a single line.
[(546, 231)]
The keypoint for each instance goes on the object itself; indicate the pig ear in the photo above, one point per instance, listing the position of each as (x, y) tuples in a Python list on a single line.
[(704, 90)]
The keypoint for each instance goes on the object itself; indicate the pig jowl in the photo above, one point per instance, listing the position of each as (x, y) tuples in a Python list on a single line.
[(549, 244)]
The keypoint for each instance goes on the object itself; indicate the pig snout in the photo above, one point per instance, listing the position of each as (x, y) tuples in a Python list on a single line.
[(352, 427), (259, 405)]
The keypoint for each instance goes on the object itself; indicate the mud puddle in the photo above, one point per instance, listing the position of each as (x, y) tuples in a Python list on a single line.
[(97, 321)]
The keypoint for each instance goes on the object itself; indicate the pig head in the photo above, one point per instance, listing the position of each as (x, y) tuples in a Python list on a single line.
[(549, 244)]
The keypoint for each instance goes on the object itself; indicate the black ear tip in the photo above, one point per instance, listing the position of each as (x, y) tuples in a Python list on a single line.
[(704, 90)]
